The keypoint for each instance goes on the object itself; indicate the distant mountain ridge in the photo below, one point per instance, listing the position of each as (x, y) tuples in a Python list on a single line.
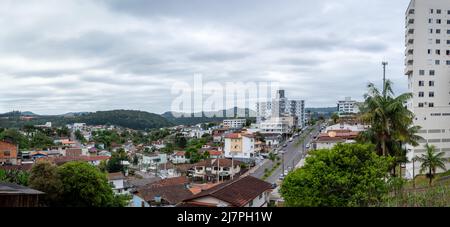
[(133, 119), (214, 116)]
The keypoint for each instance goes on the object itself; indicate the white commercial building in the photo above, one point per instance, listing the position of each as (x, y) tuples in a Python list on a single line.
[(234, 123), (428, 69), (347, 106)]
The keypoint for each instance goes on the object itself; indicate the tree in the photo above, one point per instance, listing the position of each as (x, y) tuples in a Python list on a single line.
[(114, 164), (41, 140), (346, 175), (335, 118), (180, 141), (83, 185), (389, 118), (14, 176), (44, 177), (79, 136), (431, 161), (15, 137)]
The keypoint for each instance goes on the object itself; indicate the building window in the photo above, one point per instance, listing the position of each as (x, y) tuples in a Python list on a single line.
[(421, 72), (431, 31), (429, 51), (431, 83), (421, 83), (420, 105), (438, 52), (448, 21), (438, 11), (437, 62), (432, 72), (431, 104), (448, 31), (448, 42), (431, 11), (438, 21), (431, 94), (430, 21), (448, 62), (261, 196), (421, 94), (438, 31), (438, 41), (250, 204), (6, 153), (448, 12)]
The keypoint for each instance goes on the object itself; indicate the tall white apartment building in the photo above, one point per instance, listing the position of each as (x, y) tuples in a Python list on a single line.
[(281, 106), (428, 70), (235, 123), (347, 106)]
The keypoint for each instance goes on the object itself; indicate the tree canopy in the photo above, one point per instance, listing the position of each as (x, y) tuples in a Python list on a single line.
[(347, 175)]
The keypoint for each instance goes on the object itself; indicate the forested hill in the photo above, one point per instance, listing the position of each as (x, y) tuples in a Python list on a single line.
[(133, 119)]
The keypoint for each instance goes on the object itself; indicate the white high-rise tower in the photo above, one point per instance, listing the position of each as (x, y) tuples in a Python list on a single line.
[(428, 70)]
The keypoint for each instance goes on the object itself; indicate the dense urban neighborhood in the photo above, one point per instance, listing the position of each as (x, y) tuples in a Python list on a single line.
[(381, 150)]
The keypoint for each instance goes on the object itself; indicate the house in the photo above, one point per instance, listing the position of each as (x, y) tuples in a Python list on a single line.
[(272, 139), (215, 154), (166, 193), (8, 153), (179, 158), (118, 183), (211, 169), (332, 138), (153, 160), (91, 160), (74, 152), (240, 147), (13, 195), (242, 192)]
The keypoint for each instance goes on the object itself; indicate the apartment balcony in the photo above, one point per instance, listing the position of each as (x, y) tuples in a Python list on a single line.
[(408, 69)]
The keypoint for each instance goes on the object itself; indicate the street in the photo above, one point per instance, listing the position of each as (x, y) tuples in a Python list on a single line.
[(293, 153)]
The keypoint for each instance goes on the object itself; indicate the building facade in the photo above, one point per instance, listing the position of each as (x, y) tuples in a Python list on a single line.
[(427, 66), (240, 147), (8, 153), (234, 123), (347, 107), (281, 106)]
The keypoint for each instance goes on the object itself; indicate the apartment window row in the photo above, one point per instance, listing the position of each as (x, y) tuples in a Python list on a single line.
[(430, 94), (422, 83), (438, 21), (438, 11), (430, 72), (422, 105), (438, 31)]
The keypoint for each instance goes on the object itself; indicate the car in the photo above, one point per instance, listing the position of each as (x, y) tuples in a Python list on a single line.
[(286, 172), (308, 146), (285, 145), (281, 177), (291, 139), (274, 185)]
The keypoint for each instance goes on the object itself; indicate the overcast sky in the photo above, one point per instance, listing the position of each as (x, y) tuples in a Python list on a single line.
[(58, 56)]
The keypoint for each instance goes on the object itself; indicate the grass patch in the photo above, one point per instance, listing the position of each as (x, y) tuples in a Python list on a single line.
[(269, 173)]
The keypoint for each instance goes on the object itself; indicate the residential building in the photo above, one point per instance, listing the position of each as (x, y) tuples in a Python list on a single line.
[(8, 153), (13, 195), (179, 158), (211, 169), (235, 123), (240, 147), (276, 125), (118, 183), (242, 192), (332, 138), (427, 66), (347, 107), (165, 193), (281, 106)]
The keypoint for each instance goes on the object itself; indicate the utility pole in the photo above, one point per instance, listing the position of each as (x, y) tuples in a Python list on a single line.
[(232, 166), (414, 174), (384, 63)]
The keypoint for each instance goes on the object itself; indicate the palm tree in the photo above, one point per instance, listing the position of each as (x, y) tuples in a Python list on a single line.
[(389, 118), (431, 161), (335, 117)]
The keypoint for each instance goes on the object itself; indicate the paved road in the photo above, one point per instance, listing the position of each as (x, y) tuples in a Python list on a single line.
[(294, 152)]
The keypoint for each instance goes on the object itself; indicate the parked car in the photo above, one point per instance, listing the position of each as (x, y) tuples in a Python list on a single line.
[(281, 177), (274, 185), (286, 172), (308, 146)]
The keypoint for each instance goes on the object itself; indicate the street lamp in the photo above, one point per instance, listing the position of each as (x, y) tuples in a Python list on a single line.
[(414, 174)]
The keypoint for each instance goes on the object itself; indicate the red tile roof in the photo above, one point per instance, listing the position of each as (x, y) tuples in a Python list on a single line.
[(233, 136), (213, 162), (116, 176), (238, 192)]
